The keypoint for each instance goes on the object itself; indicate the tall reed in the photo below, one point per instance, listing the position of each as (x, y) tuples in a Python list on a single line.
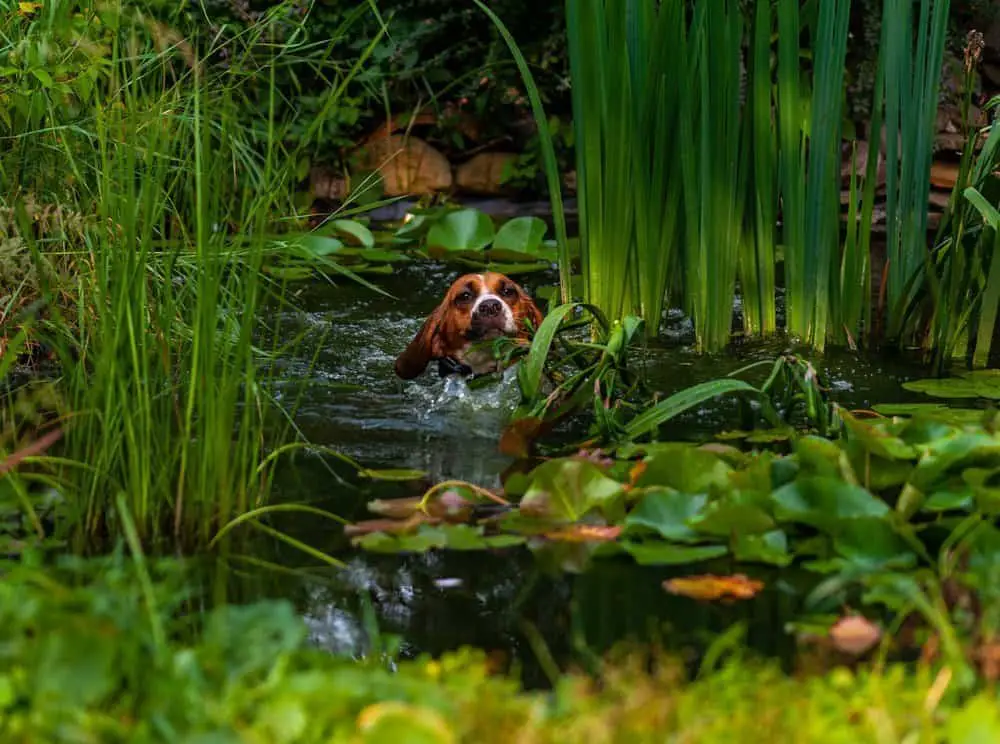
[(710, 133), (168, 385), (911, 84)]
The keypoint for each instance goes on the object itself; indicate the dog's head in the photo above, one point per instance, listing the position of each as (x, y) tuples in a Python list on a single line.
[(477, 307)]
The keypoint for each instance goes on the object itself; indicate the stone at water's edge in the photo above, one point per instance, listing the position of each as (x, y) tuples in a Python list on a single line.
[(483, 174), (408, 165)]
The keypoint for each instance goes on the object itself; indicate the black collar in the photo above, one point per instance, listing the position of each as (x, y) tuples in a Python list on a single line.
[(448, 366)]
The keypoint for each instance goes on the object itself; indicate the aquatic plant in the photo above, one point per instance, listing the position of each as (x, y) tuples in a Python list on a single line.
[(90, 655), (173, 430)]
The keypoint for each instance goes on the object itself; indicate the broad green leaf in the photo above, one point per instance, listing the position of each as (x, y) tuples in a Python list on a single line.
[(771, 547), (823, 502), (733, 514), (666, 512), (682, 467), (314, 246), (359, 233), (872, 545), (521, 234), (569, 488), (665, 554), (461, 230)]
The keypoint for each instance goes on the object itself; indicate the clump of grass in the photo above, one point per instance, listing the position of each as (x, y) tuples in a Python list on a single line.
[(172, 421)]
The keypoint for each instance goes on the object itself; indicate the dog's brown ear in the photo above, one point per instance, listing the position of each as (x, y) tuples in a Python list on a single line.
[(532, 313), (424, 347)]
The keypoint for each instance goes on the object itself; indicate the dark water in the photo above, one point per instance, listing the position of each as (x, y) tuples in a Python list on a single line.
[(436, 602)]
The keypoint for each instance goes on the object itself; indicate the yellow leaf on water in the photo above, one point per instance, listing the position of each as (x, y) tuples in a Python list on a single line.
[(584, 533), (711, 588)]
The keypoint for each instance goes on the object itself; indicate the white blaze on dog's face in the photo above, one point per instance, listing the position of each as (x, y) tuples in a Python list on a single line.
[(477, 307)]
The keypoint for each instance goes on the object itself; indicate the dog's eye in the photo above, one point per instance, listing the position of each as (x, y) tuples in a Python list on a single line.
[(464, 297), (508, 290)]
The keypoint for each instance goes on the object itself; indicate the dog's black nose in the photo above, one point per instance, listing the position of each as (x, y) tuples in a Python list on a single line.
[(489, 308)]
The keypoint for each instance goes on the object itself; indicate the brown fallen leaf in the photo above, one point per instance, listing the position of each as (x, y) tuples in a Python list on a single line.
[(710, 587), (390, 526), (395, 508), (580, 533), (854, 635)]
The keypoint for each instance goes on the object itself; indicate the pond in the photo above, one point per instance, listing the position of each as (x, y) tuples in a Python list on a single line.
[(496, 601)]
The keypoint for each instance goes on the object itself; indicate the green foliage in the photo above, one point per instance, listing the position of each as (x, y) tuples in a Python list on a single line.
[(82, 664)]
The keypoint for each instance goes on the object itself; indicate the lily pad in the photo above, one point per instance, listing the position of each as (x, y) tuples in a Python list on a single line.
[(666, 512), (822, 502), (353, 230), (771, 547), (983, 383), (461, 230), (523, 235), (685, 468), (665, 554), (570, 488)]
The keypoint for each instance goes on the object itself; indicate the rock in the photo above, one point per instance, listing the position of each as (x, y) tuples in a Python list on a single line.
[(483, 174), (326, 183), (408, 165), (944, 174)]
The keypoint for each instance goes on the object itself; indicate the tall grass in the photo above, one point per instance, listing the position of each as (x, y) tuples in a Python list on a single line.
[(911, 83), (713, 198), (172, 418)]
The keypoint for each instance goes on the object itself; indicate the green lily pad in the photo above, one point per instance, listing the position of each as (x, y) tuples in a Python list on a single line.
[(682, 467), (823, 502), (354, 231), (666, 512), (665, 554), (522, 234), (461, 230), (872, 545), (770, 547), (983, 383), (733, 514), (568, 489), (315, 245)]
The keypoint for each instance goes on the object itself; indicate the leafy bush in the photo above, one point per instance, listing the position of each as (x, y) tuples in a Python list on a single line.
[(114, 659)]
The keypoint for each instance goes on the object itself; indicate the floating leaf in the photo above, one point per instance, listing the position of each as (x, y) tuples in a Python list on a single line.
[(393, 474), (711, 588), (358, 233), (733, 514), (314, 245), (682, 467), (426, 538), (522, 234), (771, 547), (666, 512), (584, 533), (461, 230), (664, 554), (567, 489), (872, 545), (403, 526), (938, 411), (822, 502), (983, 383)]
